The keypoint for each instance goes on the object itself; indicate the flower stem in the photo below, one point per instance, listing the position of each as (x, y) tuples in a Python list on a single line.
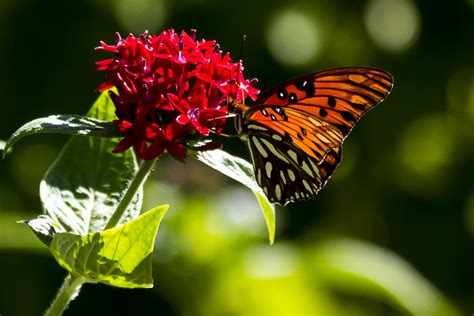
[(68, 291), (137, 181)]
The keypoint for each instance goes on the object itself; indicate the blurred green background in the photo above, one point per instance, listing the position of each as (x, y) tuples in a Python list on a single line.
[(391, 234)]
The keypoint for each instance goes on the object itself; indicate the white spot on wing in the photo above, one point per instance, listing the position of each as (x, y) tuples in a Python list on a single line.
[(282, 176), (256, 127), (273, 150), (307, 186), (307, 169), (291, 174), (315, 168), (278, 192), (277, 137), (293, 155), (259, 147), (268, 169), (259, 176)]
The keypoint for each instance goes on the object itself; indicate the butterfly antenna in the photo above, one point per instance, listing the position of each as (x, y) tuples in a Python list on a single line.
[(221, 117), (225, 135), (244, 37), (241, 50)]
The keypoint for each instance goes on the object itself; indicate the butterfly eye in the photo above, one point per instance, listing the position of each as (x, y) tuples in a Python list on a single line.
[(231, 106)]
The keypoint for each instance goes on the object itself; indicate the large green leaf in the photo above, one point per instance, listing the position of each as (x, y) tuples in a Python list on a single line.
[(2, 144), (71, 124), (120, 256), (83, 187), (241, 171)]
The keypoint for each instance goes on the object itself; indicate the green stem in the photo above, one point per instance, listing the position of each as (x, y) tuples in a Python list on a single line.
[(137, 181), (68, 291)]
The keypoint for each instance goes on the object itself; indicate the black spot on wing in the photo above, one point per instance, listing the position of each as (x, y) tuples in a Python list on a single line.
[(357, 106), (348, 116), (282, 94), (331, 101), (307, 86), (343, 128)]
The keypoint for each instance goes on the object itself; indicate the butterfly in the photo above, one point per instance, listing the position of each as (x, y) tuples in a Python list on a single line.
[(295, 130)]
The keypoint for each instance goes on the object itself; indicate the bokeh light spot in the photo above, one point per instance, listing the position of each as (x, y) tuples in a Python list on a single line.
[(227, 222), (393, 25), (271, 262), (293, 38), (137, 16), (470, 3), (426, 145)]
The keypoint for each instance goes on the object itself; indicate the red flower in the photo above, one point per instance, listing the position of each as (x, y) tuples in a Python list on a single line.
[(171, 88)]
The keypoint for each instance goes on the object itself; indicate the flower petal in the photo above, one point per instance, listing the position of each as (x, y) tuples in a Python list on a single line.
[(124, 144), (175, 130), (183, 119), (178, 103), (154, 150), (176, 149)]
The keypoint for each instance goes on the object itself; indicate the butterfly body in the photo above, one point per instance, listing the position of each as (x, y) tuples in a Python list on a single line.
[(295, 131)]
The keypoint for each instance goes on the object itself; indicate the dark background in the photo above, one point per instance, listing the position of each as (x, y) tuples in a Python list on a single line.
[(391, 234)]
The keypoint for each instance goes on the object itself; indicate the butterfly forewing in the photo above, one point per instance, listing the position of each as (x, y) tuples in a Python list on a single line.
[(339, 96), (295, 131)]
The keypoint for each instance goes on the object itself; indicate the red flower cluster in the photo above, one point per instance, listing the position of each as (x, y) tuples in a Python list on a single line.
[(172, 88)]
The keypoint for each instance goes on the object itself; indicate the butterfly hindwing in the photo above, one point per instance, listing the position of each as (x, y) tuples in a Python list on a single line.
[(284, 172)]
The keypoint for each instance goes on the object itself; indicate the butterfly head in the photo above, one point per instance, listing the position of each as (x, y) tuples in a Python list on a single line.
[(235, 107)]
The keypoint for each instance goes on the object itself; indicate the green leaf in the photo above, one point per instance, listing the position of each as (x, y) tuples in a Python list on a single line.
[(83, 187), (241, 171), (268, 211), (360, 267), (2, 144), (44, 227), (120, 256), (71, 124)]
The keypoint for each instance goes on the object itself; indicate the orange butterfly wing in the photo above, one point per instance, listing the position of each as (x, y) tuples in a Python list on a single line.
[(326, 104), (303, 122)]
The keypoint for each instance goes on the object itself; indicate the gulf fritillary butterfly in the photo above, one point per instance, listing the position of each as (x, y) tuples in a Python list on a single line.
[(295, 131)]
